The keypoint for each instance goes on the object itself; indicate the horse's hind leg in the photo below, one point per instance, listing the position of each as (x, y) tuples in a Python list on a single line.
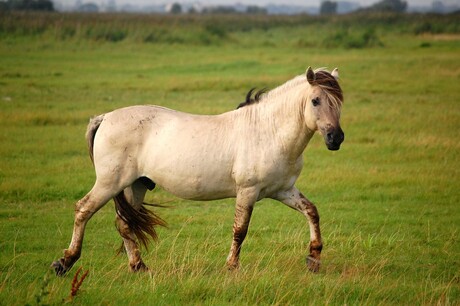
[(134, 195), (296, 200), (84, 210)]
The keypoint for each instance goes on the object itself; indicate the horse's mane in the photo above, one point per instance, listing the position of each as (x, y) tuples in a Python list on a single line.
[(323, 79), (251, 100)]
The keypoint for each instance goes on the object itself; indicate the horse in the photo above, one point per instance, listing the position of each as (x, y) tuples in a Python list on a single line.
[(249, 153)]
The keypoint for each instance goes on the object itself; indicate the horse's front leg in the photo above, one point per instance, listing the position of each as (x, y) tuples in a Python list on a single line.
[(84, 210), (296, 200), (245, 200)]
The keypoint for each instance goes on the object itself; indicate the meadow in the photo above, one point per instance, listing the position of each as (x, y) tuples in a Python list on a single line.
[(388, 199)]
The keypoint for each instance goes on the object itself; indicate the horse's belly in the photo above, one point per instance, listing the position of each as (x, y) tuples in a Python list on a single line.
[(191, 174), (189, 159), (195, 186)]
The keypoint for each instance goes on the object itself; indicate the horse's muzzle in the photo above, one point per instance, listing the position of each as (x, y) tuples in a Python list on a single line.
[(334, 138)]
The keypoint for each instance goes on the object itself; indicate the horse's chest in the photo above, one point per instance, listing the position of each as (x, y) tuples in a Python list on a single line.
[(269, 175)]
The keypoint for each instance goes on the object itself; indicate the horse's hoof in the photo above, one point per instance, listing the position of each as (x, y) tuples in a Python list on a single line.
[(139, 267), (59, 268), (313, 264), (234, 266)]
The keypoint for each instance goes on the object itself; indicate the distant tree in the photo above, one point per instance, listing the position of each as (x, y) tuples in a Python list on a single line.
[(88, 8), (176, 8), (27, 5), (220, 9), (397, 6), (438, 7), (254, 9), (328, 8), (44, 5), (3, 6)]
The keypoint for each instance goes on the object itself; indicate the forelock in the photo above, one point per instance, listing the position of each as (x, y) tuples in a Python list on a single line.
[(328, 83)]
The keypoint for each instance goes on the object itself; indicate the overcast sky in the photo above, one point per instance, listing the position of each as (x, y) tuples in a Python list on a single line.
[(252, 2)]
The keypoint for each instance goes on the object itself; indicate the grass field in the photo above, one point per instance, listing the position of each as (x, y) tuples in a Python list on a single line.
[(388, 200)]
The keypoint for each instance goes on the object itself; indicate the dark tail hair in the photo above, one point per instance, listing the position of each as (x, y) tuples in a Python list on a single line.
[(91, 130), (142, 222)]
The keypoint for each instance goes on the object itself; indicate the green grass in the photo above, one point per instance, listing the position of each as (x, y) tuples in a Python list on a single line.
[(388, 199)]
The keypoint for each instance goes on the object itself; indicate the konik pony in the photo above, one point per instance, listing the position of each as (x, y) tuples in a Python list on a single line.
[(250, 153)]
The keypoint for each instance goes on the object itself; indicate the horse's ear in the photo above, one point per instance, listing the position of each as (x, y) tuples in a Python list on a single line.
[(310, 76), (335, 73)]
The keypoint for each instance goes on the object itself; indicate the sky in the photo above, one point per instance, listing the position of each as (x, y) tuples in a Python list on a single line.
[(254, 2)]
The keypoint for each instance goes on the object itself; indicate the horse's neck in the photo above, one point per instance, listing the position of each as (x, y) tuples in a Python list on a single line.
[(279, 118), (290, 123), (286, 87)]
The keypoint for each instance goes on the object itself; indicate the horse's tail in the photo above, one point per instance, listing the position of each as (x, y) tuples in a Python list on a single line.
[(141, 221), (91, 130)]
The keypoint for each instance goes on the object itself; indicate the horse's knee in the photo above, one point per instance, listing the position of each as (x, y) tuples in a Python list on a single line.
[(124, 230), (82, 212), (312, 212), (121, 225), (82, 216), (310, 209)]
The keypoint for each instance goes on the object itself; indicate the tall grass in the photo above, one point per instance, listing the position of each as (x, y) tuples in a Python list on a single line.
[(212, 29)]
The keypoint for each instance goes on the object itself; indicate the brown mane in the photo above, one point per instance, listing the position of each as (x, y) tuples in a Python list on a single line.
[(327, 82)]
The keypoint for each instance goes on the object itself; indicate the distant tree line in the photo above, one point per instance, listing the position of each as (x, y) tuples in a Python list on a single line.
[(176, 8), (395, 6), (27, 5), (329, 7)]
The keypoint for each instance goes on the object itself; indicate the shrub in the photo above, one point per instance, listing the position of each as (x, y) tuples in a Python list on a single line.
[(353, 40), (113, 35), (216, 29)]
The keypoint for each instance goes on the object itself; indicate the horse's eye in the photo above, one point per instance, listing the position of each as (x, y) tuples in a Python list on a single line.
[(315, 101)]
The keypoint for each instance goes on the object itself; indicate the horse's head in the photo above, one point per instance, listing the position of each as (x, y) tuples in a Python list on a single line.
[(323, 105)]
